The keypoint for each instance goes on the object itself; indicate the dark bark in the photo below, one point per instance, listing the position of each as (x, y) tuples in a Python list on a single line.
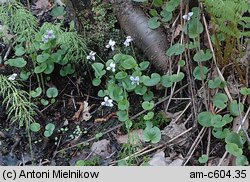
[(134, 22)]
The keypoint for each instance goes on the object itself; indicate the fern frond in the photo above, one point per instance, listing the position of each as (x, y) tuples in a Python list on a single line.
[(19, 108), (19, 20)]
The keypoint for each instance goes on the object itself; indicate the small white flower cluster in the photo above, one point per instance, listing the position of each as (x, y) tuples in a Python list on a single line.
[(12, 77), (188, 16), (107, 102), (48, 35), (111, 67), (111, 45), (91, 56), (135, 80), (128, 41)]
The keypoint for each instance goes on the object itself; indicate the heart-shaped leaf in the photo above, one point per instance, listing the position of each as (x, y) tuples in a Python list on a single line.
[(149, 116), (203, 56), (154, 23), (233, 149), (123, 104), (18, 62), (36, 93), (154, 80), (235, 108), (148, 105), (40, 68), (19, 51), (220, 100), (204, 118), (42, 58), (200, 72), (175, 49), (52, 92)]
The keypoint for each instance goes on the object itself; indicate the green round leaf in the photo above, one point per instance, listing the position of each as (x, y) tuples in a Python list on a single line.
[(128, 124), (40, 68), (140, 90), (203, 56), (154, 80), (42, 58), (49, 69), (235, 138), (152, 134), (148, 96), (219, 133), (177, 77), (101, 93), (166, 81), (203, 159), (200, 72), (148, 105), (36, 93), (19, 51), (175, 49), (58, 11), (242, 161), (98, 67), (144, 65), (149, 116), (235, 108), (122, 115), (44, 102), (128, 62), (157, 3), (121, 75), (35, 127), (154, 23), (214, 83), (123, 104), (52, 92), (115, 92), (181, 63), (217, 122), (166, 15), (96, 81), (49, 128), (24, 75), (233, 149), (18, 62), (204, 118), (245, 91), (220, 100)]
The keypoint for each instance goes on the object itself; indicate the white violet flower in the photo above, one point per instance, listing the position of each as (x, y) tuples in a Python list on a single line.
[(111, 45), (127, 41), (107, 102), (12, 77), (91, 56), (135, 80), (188, 16), (111, 67)]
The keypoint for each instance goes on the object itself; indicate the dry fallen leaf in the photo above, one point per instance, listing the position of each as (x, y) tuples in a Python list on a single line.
[(177, 31), (83, 112), (172, 130), (158, 159), (43, 5), (101, 148), (135, 135), (105, 118), (237, 122)]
